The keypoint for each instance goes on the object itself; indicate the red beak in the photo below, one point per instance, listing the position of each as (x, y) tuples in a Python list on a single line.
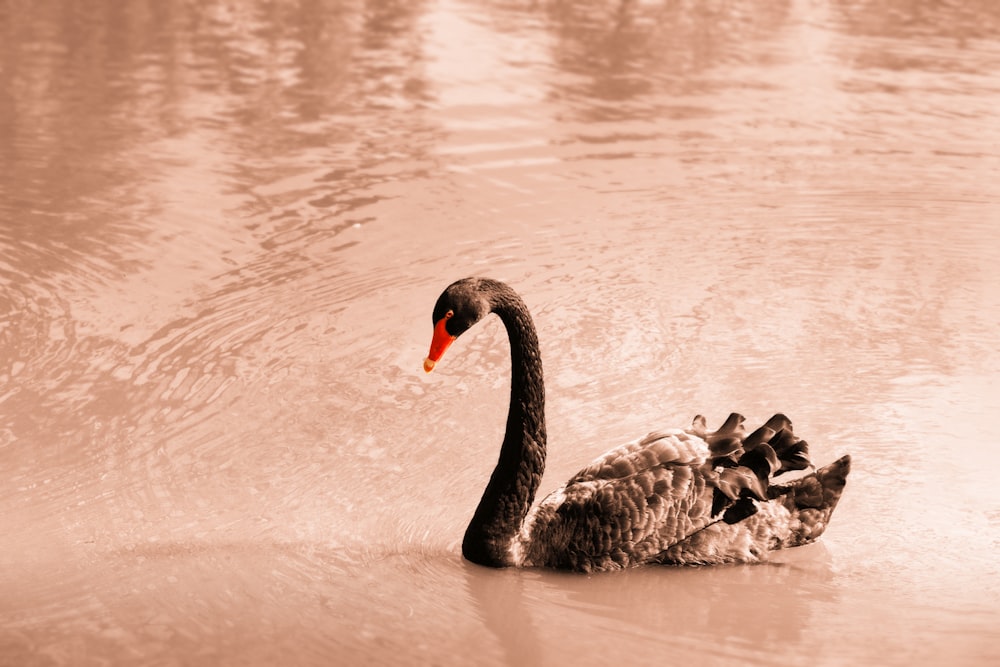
[(439, 343)]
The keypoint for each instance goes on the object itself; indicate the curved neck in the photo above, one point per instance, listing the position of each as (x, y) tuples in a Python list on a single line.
[(518, 472)]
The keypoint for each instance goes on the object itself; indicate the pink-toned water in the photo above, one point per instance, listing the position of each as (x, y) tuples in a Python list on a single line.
[(223, 226)]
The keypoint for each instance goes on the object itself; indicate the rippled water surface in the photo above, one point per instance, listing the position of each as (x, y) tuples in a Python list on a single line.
[(223, 226)]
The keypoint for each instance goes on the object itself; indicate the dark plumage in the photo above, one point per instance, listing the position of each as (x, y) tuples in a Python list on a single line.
[(688, 496)]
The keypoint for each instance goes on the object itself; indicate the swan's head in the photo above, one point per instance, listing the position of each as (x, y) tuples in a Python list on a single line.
[(461, 305)]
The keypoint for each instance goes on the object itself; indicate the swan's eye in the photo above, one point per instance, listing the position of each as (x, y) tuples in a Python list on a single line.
[(449, 314)]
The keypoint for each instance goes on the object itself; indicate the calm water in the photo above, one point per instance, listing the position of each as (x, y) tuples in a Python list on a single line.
[(223, 226)]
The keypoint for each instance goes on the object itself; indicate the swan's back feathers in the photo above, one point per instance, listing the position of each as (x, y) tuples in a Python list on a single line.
[(684, 496), (656, 449)]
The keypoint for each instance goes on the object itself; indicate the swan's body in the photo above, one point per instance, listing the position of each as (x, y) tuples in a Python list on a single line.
[(674, 497)]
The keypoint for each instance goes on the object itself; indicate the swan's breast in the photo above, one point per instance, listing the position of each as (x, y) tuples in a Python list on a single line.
[(521, 542)]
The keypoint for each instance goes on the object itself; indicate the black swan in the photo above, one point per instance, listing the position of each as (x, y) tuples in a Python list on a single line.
[(680, 496)]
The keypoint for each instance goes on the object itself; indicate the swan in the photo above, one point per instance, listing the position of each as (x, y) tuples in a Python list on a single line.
[(678, 496)]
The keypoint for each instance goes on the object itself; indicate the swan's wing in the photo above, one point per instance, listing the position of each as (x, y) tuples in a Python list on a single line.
[(797, 513), (656, 449), (669, 489), (603, 523)]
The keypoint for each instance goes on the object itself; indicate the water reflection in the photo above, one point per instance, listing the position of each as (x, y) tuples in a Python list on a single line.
[(627, 50), (224, 119), (975, 19), (748, 610)]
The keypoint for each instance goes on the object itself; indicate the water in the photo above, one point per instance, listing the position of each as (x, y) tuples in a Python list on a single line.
[(222, 230)]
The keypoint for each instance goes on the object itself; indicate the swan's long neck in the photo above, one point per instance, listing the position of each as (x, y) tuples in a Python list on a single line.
[(515, 479)]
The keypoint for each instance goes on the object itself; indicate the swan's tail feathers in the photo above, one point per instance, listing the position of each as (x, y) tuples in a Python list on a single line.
[(731, 443), (792, 452), (758, 437), (738, 484), (811, 500), (778, 422), (763, 460), (743, 468), (699, 426)]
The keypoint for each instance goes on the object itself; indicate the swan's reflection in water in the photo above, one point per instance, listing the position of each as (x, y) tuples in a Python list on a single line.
[(749, 610)]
